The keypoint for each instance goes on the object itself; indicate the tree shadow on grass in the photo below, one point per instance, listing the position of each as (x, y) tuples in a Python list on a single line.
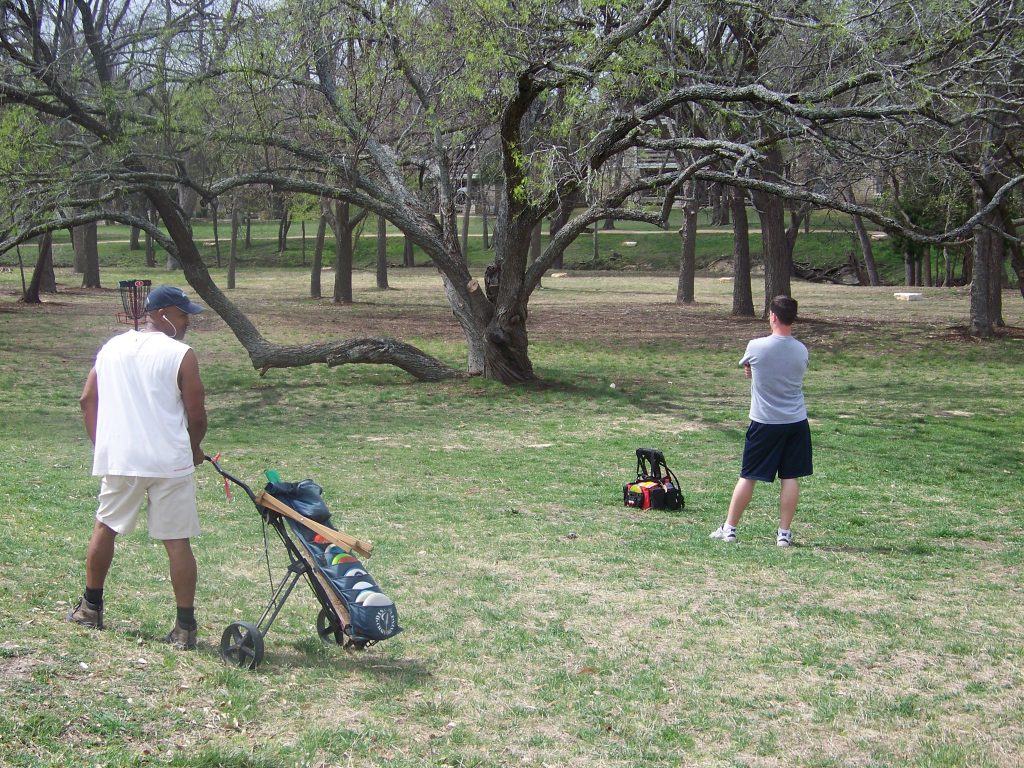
[(650, 399), (303, 653), (914, 549), (410, 672)]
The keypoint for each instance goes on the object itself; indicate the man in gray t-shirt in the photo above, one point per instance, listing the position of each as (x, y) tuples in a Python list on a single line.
[(778, 440)]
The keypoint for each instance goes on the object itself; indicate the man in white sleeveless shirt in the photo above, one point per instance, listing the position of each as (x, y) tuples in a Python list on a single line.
[(779, 438), (144, 410)]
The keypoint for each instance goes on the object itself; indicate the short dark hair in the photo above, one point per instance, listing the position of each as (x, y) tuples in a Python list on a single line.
[(784, 308)]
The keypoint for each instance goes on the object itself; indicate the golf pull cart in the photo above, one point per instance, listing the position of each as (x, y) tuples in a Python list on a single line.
[(354, 612)]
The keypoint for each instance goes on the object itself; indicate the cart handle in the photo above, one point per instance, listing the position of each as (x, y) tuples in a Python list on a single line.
[(229, 476)]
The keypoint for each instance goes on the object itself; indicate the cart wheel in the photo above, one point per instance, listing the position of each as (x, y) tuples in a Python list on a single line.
[(328, 628), (241, 645)]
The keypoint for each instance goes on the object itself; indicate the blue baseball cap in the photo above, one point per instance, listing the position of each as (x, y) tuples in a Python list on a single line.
[(169, 296)]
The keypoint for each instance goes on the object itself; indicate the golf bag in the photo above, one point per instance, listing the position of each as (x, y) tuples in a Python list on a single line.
[(373, 615), (656, 486)]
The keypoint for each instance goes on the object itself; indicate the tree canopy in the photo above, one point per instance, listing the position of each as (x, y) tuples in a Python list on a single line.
[(384, 105)]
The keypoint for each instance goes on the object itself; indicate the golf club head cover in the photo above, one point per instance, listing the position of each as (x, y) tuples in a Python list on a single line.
[(305, 497)]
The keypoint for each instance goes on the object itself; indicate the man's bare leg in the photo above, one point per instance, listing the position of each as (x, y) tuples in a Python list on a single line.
[(741, 496), (789, 495)]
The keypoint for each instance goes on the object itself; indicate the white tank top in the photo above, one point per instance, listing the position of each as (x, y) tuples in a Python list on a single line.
[(141, 428)]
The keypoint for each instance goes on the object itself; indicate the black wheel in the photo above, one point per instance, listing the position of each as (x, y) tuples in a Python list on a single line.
[(328, 628), (241, 645)]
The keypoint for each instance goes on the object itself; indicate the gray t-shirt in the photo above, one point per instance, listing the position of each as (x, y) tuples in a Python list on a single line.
[(777, 365)]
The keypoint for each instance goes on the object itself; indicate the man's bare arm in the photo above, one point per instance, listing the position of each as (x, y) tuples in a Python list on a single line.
[(193, 397), (90, 403)]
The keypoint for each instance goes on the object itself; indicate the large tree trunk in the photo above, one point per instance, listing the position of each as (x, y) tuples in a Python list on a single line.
[(215, 207), (283, 226), (506, 347), (742, 293), (721, 199), (797, 216), (408, 256), (535, 238), (986, 285), (484, 225), (867, 250), (47, 278), (982, 313), (997, 273), (150, 243), (342, 255), (382, 253), (967, 276), (140, 209), (688, 250), (78, 249), (616, 179), (188, 199), (87, 249), (236, 224), (558, 220), (43, 280), (465, 220), (778, 258), (318, 259)]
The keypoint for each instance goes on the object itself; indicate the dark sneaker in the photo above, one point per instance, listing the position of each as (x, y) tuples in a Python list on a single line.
[(181, 638), (87, 614)]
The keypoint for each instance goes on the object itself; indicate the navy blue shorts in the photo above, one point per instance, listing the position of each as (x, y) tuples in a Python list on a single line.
[(783, 449)]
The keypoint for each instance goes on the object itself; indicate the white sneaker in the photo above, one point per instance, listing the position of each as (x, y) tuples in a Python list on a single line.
[(784, 539), (723, 535)]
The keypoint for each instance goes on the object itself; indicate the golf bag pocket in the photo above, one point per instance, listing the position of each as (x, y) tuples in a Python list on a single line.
[(305, 497), (339, 561), (673, 498), (373, 622), (351, 596), (644, 495), (351, 586)]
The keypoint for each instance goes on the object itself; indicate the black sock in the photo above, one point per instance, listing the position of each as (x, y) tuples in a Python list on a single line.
[(94, 596), (187, 618)]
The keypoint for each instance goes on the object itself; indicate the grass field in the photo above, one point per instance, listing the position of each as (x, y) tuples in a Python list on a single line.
[(545, 624)]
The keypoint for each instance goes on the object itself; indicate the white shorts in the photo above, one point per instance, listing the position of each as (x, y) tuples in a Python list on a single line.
[(171, 511)]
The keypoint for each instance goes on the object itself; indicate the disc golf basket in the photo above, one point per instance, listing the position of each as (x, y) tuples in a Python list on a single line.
[(133, 299)]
